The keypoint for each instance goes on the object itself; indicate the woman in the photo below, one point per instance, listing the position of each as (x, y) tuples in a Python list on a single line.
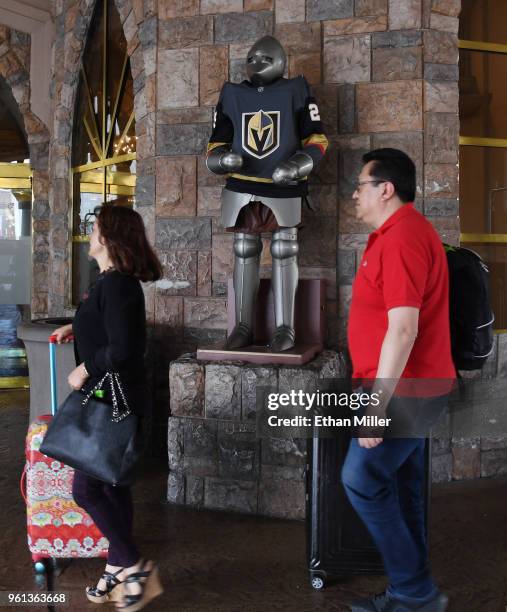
[(109, 330)]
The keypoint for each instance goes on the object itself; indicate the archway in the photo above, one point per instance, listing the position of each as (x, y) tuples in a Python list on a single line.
[(104, 141), (69, 48)]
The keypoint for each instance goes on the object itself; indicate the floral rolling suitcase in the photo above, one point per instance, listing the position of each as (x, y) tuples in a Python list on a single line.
[(57, 527)]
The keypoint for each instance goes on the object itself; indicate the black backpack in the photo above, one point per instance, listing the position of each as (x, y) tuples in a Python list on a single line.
[(470, 311)]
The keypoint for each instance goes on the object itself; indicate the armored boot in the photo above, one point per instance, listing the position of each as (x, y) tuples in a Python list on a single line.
[(247, 256), (284, 281)]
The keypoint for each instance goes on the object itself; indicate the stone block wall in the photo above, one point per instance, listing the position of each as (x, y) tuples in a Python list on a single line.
[(385, 74), (478, 457), (216, 459), (396, 68), (201, 46)]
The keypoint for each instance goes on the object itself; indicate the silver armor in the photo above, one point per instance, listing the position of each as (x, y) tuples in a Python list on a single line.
[(247, 257), (287, 211), (265, 65), (284, 280), (295, 168), (223, 160), (265, 62)]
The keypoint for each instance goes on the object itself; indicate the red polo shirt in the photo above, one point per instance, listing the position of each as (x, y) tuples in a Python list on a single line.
[(404, 264)]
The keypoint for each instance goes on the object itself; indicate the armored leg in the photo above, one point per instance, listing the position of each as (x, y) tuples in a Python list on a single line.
[(284, 280), (247, 256)]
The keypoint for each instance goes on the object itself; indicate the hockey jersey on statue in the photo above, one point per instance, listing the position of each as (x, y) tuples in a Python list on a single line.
[(267, 125)]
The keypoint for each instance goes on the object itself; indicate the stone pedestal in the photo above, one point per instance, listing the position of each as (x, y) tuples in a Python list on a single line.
[(216, 459), (309, 327)]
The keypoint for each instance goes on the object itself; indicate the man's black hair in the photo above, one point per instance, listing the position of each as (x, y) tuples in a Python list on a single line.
[(396, 167)]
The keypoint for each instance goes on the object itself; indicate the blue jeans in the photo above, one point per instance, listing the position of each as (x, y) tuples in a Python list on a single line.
[(385, 485)]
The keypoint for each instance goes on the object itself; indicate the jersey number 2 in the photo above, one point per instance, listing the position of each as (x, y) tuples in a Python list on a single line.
[(314, 112)]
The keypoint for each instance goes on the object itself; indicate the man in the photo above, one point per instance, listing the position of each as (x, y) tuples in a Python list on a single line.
[(398, 329)]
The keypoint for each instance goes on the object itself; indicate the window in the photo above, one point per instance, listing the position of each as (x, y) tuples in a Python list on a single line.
[(15, 238), (483, 140), (104, 141)]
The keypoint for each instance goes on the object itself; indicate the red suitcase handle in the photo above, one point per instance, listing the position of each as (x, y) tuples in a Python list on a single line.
[(52, 339)]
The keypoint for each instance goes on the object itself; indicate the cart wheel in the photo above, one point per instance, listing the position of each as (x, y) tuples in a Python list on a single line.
[(39, 567), (317, 583)]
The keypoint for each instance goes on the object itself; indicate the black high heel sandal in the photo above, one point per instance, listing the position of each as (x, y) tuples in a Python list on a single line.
[(149, 581), (111, 593)]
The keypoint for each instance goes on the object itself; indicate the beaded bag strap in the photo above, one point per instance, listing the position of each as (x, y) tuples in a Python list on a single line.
[(114, 380)]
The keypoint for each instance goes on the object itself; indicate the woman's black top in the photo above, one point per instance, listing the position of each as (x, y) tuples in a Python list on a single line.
[(110, 335)]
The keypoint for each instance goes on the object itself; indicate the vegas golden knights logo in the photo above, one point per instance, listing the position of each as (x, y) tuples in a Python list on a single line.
[(261, 132)]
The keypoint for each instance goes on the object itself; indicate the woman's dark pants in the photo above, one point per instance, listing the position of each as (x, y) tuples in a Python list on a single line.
[(112, 510)]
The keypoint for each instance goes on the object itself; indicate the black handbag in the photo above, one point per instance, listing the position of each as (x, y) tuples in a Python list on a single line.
[(94, 437)]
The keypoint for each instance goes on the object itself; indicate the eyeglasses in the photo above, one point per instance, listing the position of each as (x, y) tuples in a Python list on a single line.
[(358, 185)]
